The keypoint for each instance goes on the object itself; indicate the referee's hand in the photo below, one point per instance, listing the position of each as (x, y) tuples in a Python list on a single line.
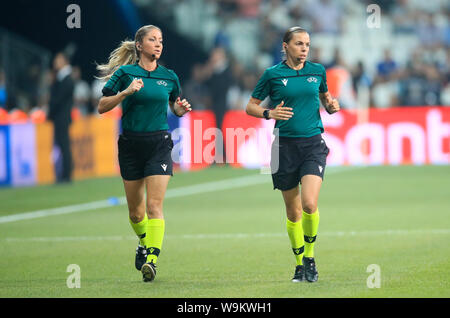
[(280, 112), (333, 106), (134, 87), (183, 106)]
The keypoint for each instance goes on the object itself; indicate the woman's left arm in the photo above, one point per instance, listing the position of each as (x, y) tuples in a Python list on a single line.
[(180, 107), (331, 104)]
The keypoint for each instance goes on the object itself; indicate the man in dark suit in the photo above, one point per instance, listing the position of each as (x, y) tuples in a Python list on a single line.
[(60, 106), (219, 82)]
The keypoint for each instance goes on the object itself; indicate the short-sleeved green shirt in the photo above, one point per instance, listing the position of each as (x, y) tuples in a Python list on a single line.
[(146, 110), (300, 91)]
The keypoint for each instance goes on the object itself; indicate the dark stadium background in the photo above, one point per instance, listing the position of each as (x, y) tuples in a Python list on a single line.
[(104, 24)]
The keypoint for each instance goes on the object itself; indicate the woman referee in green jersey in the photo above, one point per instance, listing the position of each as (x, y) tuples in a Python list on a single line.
[(299, 153), (144, 88)]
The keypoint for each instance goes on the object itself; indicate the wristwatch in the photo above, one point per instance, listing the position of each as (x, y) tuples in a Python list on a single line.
[(266, 114)]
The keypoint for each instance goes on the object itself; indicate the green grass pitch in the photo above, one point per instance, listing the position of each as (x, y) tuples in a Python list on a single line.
[(230, 240)]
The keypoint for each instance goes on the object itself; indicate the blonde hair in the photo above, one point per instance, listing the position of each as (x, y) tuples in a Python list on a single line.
[(125, 54)]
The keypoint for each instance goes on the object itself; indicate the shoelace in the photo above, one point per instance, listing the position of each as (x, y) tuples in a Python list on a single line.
[(312, 266), (141, 250)]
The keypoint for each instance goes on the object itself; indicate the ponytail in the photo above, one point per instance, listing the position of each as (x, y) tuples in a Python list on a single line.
[(123, 55)]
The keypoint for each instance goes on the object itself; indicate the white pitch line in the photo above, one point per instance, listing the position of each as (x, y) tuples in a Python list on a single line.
[(171, 193), (206, 187), (223, 236), (55, 211)]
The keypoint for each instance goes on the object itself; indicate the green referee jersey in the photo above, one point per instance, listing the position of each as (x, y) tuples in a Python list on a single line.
[(300, 91), (146, 110)]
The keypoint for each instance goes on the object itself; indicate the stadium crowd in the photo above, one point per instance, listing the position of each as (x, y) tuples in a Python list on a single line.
[(386, 77)]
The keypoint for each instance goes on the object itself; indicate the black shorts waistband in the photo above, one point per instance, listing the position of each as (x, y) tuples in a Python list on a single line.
[(143, 134), (300, 139)]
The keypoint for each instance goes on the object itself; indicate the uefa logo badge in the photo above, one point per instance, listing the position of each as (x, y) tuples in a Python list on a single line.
[(312, 79), (161, 83)]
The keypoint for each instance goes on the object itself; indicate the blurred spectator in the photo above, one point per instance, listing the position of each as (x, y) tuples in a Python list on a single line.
[(33, 82), (387, 68), (3, 93), (403, 17), (60, 106), (445, 95), (412, 85), (384, 94), (18, 116), (429, 32), (37, 115), (82, 92), (219, 79), (340, 83), (298, 15), (360, 77), (239, 94), (4, 116), (195, 89), (278, 15), (96, 93), (337, 60), (222, 39), (248, 8), (386, 88), (226, 8), (433, 86), (315, 55), (27, 87), (326, 16), (270, 45), (44, 89)]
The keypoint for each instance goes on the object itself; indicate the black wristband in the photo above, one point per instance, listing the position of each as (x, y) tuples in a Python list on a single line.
[(266, 114)]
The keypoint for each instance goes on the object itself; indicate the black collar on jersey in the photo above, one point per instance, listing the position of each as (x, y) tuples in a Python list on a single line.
[(298, 72), (157, 65), (285, 63)]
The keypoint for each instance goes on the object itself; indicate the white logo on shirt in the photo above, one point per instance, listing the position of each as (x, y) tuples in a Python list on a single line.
[(161, 83), (164, 166), (312, 79), (284, 80)]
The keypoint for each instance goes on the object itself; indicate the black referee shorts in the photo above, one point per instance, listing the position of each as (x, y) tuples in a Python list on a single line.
[(145, 154), (292, 158)]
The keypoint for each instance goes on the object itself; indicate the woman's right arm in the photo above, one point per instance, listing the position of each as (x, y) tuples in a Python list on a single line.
[(280, 112), (107, 103)]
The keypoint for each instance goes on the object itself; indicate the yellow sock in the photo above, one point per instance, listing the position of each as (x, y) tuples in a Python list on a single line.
[(310, 224), (295, 233), (140, 229), (155, 231)]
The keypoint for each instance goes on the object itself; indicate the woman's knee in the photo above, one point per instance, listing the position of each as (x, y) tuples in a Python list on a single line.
[(154, 208), (293, 212), (136, 216), (310, 206)]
